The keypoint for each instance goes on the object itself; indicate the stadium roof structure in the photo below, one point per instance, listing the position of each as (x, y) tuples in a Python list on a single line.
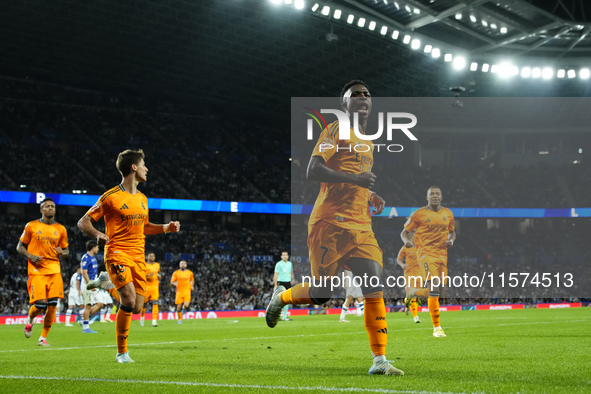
[(552, 30), (259, 53)]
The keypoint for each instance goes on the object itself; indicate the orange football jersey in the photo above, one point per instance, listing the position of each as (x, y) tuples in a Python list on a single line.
[(433, 230), (41, 239), (343, 205), (408, 256), (152, 269), (125, 216), (184, 279)]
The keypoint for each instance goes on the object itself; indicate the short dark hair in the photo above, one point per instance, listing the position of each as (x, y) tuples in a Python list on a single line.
[(127, 158), (285, 251), (45, 200), (91, 244), (352, 83), (434, 187)]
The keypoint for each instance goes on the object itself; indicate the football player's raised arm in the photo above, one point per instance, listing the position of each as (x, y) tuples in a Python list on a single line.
[(153, 229), (318, 172)]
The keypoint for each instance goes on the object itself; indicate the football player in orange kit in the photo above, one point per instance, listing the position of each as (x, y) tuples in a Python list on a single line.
[(125, 209), (184, 281), (339, 230), (43, 242), (435, 233), (153, 290), (407, 260)]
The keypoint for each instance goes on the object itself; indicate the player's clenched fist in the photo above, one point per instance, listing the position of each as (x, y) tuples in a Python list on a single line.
[(172, 227), (365, 179), (102, 239)]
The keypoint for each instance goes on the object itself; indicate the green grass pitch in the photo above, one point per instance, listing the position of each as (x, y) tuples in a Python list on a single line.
[(518, 351)]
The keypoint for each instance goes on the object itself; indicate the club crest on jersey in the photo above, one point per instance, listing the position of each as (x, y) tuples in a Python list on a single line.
[(444, 219), (55, 233), (428, 221)]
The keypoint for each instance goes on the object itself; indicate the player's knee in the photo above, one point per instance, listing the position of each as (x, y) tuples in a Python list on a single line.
[(367, 289), (40, 304), (52, 302), (126, 308), (320, 295)]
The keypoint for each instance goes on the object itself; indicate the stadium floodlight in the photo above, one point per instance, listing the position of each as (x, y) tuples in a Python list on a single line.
[(494, 69), (416, 44), (472, 18), (493, 26), (485, 67), (561, 73), (547, 73), (417, 11), (23, 186), (536, 72), (503, 30), (325, 10), (288, 2), (395, 34), (299, 4), (407, 8), (436, 53), (484, 23), (384, 30), (361, 22), (448, 57), (406, 39), (396, 5), (386, 2), (571, 74), (580, 151), (544, 152), (315, 7), (473, 66), (459, 63), (372, 26), (350, 18), (505, 69), (584, 73), (276, 1), (337, 14), (428, 48), (526, 72), (459, 16)]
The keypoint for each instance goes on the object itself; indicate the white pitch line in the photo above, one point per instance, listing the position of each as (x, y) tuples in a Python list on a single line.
[(282, 336), (233, 385)]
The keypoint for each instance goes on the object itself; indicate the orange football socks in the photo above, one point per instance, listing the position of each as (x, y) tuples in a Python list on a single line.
[(298, 295), (413, 307), (33, 312), (48, 320), (434, 310), (123, 323), (155, 312), (374, 318)]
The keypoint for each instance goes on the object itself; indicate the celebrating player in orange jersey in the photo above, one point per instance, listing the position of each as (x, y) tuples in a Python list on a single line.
[(125, 209), (407, 260), (152, 291), (435, 233), (43, 242), (184, 281), (339, 230)]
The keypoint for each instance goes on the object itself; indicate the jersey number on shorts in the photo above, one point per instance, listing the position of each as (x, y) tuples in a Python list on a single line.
[(118, 269)]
